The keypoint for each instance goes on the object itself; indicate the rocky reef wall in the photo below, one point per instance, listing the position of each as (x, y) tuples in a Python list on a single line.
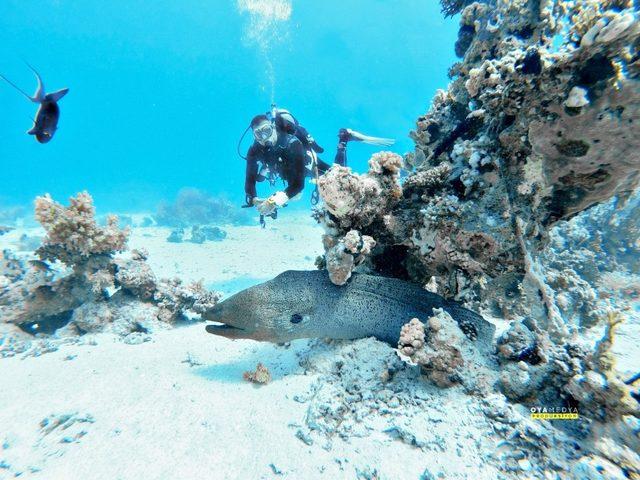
[(539, 123), (520, 201)]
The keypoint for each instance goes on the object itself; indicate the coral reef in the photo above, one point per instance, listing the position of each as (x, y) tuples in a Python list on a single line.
[(202, 233), (519, 132), (97, 291), (176, 235), (261, 375), (195, 207), (569, 374), (511, 149), (519, 203), (73, 236), (354, 202), (445, 354), (362, 389)]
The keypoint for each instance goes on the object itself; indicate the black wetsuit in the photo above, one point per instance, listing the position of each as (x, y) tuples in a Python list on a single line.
[(287, 159), (341, 152)]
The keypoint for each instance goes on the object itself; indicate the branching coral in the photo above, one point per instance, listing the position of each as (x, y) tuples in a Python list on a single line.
[(73, 236)]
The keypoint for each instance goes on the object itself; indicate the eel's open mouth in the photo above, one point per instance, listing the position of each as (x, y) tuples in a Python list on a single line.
[(221, 328)]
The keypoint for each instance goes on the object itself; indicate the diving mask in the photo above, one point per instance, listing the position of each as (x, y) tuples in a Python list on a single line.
[(265, 133)]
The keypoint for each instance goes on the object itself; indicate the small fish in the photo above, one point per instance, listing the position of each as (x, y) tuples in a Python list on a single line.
[(305, 304), (48, 114)]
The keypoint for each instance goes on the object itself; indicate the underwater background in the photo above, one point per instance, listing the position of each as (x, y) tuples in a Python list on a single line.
[(159, 96), (185, 338)]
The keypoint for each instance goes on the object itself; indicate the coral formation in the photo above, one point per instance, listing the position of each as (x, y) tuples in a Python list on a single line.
[(73, 236), (202, 233), (354, 202), (261, 375), (195, 207), (444, 353), (520, 131), (176, 235), (515, 205), (97, 291), (569, 374), (346, 254), (505, 156), (513, 147)]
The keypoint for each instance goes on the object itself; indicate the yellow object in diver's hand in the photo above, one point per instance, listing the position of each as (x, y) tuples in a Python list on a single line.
[(266, 207)]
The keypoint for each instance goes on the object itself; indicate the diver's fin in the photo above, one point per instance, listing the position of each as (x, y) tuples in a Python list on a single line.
[(56, 96), (16, 87), (39, 95), (360, 137)]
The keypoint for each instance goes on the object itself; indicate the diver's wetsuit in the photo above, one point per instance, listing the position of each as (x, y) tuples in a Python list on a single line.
[(341, 153), (285, 122), (288, 159)]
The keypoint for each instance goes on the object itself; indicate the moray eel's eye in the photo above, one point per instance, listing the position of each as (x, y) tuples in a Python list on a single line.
[(296, 318)]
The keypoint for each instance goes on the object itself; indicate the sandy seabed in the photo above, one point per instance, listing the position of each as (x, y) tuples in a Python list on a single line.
[(177, 407)]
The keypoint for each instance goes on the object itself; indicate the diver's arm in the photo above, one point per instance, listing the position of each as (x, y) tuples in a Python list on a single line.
[(296, 169), (251, 175)]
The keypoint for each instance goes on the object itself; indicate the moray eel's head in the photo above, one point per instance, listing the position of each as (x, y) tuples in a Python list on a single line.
[(276, 311)]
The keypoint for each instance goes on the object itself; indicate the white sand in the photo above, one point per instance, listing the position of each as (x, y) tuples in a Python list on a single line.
[(248, 255), (177, 406)]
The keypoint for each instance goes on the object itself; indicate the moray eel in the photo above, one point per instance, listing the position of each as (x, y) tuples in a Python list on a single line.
[(305, 304)]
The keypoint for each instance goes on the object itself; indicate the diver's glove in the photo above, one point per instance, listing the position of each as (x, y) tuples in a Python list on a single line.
[(268, 206), (346, 135)]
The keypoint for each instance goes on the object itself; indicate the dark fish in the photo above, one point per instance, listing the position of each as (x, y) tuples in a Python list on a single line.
[(305, 304), (48, 114)]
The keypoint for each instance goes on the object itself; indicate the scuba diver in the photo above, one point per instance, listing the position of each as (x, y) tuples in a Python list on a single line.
[(283, 148)]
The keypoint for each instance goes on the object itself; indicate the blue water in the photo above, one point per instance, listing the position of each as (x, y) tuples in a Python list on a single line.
[(161, 91)]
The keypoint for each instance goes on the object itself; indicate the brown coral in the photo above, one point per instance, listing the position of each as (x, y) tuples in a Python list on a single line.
[(438, 352), (260, 376), (73, 235), (357, 200), (81, 301)]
